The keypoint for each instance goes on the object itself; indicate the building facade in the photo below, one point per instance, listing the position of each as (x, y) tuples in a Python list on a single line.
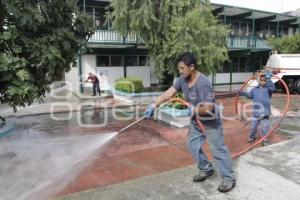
[(111, 56)]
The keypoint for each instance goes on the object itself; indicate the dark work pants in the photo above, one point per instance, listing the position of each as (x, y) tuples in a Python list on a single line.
[(96, 88)]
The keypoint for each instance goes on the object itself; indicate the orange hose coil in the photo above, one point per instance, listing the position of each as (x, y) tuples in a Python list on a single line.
[(275, 126), (202, 128)]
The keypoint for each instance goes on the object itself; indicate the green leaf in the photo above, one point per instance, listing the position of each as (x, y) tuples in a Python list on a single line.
[(169, 28), (288, 44), (23, 75), (4, 59), (41, 42), (6, 35), (17, 49)]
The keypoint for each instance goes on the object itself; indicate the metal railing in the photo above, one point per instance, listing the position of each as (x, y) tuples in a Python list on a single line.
[(113, 37), (246, 42)]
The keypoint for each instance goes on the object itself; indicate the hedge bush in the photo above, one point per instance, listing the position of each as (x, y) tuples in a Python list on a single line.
[(178, 105), (129, 84)]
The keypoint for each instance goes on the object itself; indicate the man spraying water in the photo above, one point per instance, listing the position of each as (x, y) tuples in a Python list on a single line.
[(95, 82), (198, 91)]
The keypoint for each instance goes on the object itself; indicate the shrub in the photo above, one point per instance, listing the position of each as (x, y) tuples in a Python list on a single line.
[(178, 105), (129, 84)]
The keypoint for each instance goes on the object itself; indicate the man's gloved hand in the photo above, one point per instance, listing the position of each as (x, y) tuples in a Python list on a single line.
[(191, 110), (242, 93), (268, 75), (149, 111)]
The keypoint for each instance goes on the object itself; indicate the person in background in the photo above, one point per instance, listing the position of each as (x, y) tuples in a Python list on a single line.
[(261, 96), (95, 82)]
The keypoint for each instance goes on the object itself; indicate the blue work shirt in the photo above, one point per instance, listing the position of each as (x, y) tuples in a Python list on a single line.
[(201, 92), (262, 99)]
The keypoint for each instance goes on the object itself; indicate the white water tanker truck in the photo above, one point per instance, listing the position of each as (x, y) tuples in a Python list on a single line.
[(286, 67)]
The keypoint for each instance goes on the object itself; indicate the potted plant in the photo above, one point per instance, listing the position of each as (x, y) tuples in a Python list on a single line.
[(131, 89), (175, 113)]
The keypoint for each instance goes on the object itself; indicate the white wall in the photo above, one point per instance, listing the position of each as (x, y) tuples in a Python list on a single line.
[(153, 77), (142, 72), (222, 78), (146, 73), (109, 75), (241, 77), (88, 65), (106, 75), (72, 79)]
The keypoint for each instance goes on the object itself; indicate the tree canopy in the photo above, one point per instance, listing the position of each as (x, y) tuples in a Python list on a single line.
[(171, 27), (287, 44), (39, 41)]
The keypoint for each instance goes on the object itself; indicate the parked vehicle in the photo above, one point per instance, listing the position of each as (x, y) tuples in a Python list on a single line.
[(286, 67)]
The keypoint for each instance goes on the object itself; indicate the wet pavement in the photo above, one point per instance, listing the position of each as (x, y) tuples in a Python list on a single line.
[(266, 173), (151, 148), (148, 148)]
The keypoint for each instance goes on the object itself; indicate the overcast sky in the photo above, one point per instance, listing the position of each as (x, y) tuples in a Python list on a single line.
[(277, 6)]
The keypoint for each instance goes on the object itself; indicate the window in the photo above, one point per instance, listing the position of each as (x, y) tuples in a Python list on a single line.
[(235, 64), (242, 65), (264, 60), (220, 20), (228, 21), (256, 64), (248, 64), (273, 31), (265, 30), (143, 60), (235, 26), (102, 61), (282, 31), (116, 60), (250, 28), (98, 14), (100, 19), (244, 29), (89, 11), (225, 67), (285, 31), (131, 60)]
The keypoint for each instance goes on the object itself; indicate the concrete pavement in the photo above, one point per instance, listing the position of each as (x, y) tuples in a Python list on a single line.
[(266, 173), (122, 171)]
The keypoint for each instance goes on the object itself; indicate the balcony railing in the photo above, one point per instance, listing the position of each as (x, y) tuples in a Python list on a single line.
[(246, 42), (114, 38)]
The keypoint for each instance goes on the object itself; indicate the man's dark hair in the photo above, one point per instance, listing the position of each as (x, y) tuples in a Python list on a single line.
[(188, 59), (262, 76)]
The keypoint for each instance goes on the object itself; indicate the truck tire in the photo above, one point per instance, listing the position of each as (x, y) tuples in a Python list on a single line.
[(297, 86), (278, 85)]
